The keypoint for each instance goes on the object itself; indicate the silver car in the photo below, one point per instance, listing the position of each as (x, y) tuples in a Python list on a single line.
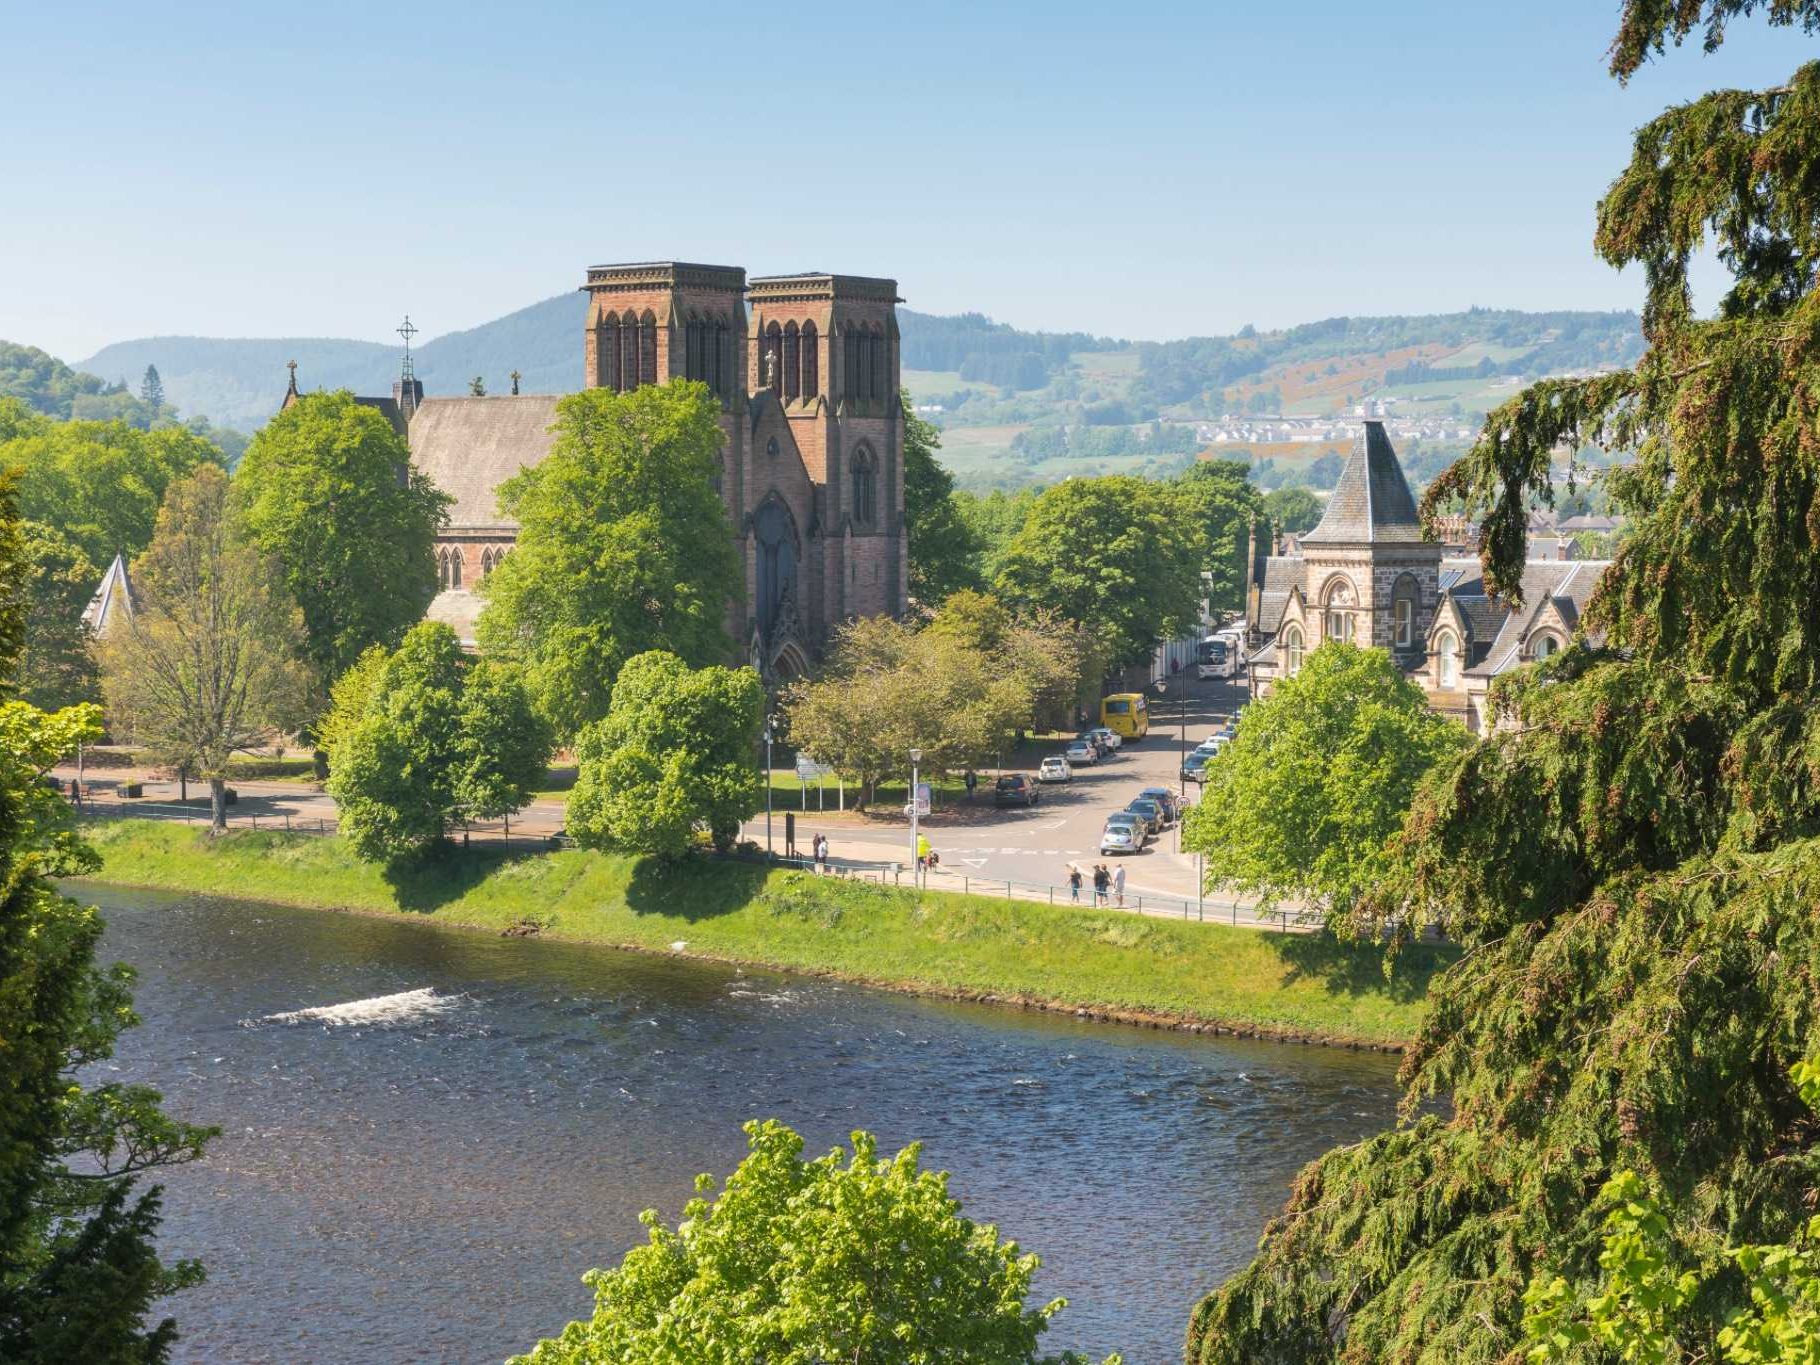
[(1080, 754), (1123, 834)]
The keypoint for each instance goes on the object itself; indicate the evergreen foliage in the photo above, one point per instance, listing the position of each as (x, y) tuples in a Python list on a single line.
[(843, 1258), (623, 547), (672, 756), (1635, 860), (78, 1271)]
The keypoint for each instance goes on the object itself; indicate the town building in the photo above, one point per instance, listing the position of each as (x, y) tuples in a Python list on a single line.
[(1369, 574), (808, 374)]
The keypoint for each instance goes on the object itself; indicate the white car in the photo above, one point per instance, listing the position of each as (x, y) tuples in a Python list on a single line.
[(1080, 753), (1110, 738), (1054, 769), (1123, 834)]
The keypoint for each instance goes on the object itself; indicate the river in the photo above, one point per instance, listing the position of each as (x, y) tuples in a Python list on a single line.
[(428, 1136)]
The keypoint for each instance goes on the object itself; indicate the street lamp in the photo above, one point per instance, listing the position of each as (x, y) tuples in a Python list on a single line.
[(916, 866), (770, 733)]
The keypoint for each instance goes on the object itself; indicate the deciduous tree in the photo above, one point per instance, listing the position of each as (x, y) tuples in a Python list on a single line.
[(57, 668), (206, 663), (846, 1257), (327, 492), (623, 547), (1292, 510), (1219, 501), (672, 756), (944, 555)]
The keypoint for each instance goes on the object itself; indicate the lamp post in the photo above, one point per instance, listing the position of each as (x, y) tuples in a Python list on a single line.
[(916, 866), (770, 732)]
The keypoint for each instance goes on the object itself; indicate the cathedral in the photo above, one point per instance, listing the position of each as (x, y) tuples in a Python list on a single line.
[(806, 368)]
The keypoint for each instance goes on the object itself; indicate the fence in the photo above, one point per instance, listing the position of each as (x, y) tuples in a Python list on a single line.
[(120, 808)]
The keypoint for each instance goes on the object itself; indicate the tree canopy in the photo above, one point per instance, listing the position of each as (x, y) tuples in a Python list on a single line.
[(1292, 510), (846, 1257), (78, 1270), (673, 755), (1634, 858), (327, 491), (623, 547), (1219, 501), (56, 668), (1324, 768), (944, 555)]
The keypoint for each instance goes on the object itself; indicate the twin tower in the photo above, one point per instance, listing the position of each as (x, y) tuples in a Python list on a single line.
[(808, 374)]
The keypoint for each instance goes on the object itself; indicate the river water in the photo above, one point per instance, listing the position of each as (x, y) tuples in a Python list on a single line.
[(430, 1135)]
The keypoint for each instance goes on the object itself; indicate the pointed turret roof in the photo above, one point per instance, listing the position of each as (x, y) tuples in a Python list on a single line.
[(114, 595), (1372, 501)]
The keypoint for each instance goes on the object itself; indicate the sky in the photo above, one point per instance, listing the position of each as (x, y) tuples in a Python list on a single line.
[(1142, 170)]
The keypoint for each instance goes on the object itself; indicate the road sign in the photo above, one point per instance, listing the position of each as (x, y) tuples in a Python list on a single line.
[(808, 770), (922, 798)]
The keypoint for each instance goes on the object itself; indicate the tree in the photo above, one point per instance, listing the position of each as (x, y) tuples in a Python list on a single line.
[(790, 1263), (351, 697), (441, 740), (623, 547), (206, 663), (888, 688), (1302, 803), (151, 389), (102, 483), (673, 755), (1219, 501), (944, 556), (1056, 661), (326, 491), (78, 1269), (477, 387), (1292, 510), (1113, 555), (1632, 858), (56, 668), (993, 522)]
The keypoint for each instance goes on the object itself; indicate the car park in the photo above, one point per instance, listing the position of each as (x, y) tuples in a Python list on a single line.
[(1123, 834), (1081, 753), (1152, 811), (1014, 789), (1168, 800), (1054, 769)]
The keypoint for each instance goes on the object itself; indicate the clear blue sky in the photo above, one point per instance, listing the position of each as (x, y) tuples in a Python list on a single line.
[(1144, 169)]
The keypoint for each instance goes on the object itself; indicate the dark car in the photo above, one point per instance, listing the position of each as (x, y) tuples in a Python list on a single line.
[(1194, 767), (1168, 800), (1014, 789), (1152, 811)]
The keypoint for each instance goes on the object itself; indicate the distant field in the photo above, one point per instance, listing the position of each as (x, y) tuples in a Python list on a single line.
[(1283, 452), (1315, 387), (926, 384)]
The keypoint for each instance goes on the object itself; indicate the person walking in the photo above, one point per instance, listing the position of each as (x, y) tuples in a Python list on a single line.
[(1074, 883), (1118, 883), (1099, 883)]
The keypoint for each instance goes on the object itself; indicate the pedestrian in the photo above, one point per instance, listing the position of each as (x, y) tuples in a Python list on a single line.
[(1099, 883), (972, 780), (1074, 883), (1118, 883), (922, 850)]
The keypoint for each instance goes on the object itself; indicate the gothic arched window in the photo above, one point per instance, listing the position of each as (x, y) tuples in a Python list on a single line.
[(628, 353), (865, 487), (849, 379), (1447, 647), (771, 361), (1292, 650), (606, 364), (486, 562), (775, 534), (811, 362), (880, 376), (1337, 622), (717, 367), (455, 567), (647, 348), (793, 362), (1543, 645), (442, 568)]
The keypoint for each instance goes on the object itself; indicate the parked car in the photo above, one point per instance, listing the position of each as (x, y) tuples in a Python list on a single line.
[(1123, 834), (1110, 738), (1168, 800), (1081, 753), (1212, 745), (1014, 789), (1152, 811), (1101, 749), (1194, 767), (1054, 769)]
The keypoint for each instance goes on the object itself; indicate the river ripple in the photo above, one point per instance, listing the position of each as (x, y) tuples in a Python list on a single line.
[(426, 1177)]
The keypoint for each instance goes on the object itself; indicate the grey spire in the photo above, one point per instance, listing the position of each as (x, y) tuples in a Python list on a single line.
[(1372, 501)]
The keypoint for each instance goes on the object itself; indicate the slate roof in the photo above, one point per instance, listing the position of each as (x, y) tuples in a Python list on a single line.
[(388, 408), (458, 609), (1372, 501), (469, 446), (115, 595), (1569, 582), (1281, 573)]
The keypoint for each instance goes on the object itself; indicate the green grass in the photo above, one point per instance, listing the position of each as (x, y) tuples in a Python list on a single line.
[(1292, 985)]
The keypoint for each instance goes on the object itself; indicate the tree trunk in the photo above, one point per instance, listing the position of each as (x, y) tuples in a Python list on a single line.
[(217, 805), (320, 757)]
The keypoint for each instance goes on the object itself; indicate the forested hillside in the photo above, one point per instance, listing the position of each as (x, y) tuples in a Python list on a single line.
[(46, 385)]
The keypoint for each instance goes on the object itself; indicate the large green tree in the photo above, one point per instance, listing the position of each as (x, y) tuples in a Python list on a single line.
[(1291, 510), (1302, 803), (672, 756), (623, 547), (441, 741), (1219, 501), (1114, 555), (57, 668), (327, 491), (102, 483), (1633, 859), (205, 665), (944, 555), (848, 1257), (78, 1269)]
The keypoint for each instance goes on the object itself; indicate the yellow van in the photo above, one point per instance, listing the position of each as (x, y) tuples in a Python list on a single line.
[(1125, 715)]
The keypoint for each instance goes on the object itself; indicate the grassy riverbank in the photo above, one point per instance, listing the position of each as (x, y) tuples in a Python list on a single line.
[(972, 946)]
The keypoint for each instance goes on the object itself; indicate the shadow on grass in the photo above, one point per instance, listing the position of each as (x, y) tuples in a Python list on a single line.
[(695, 888), (429, 880), (1358, 968)]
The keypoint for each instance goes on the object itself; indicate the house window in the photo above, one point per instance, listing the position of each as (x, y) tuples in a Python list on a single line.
[(1406, 622), (1292, 650), (1447, 645), (1336, 623), (1543, 646), (865, 487)]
